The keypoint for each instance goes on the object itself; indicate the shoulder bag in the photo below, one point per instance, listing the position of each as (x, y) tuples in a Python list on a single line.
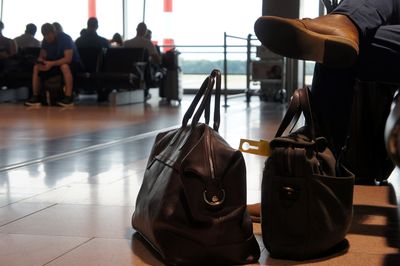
[(307, 197)]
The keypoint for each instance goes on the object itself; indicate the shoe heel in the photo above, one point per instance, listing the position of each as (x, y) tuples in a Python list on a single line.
[(339, 54)]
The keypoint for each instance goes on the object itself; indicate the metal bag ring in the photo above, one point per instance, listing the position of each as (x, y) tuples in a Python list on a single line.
[(215, 200)]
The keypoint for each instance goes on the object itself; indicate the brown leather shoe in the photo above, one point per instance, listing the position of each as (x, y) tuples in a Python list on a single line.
[(331, 39), (254, 211)]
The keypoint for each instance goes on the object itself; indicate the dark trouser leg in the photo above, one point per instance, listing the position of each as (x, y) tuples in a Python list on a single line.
[(332, 98), (332, 89), (369, 15), (379, 58)]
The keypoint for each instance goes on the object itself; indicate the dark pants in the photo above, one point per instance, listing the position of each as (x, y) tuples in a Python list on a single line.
[(378, 22), (75, 68), (56, 71)]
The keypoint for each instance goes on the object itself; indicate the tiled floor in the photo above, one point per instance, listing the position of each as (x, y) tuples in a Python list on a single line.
[(69, 180)]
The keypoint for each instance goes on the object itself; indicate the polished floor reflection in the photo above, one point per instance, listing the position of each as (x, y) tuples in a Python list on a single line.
[(69, 180)]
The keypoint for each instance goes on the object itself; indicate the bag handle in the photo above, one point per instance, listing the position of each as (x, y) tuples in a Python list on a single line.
[(292, 112), (306, 107), (205, 91), (300, 103), (217, 97), (195, 101), (215, 75)]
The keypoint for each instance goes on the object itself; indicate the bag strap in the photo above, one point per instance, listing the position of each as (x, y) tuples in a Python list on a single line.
[(206, 92), (205, 103), (300, 103), (217, 97), (217, 114), (292, 112), (306, 108), (195, 102)]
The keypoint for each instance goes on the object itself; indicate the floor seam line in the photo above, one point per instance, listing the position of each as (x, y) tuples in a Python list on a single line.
[(86, 149), (23, 217), (70, 250)]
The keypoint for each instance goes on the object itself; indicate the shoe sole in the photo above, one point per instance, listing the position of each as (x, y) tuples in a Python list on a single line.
[(291, 39), (32, 104), (65, 105), (254, 211), (255, 219)]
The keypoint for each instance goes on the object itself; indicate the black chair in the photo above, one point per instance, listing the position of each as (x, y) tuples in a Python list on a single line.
[(122, 69), (91, 59), (21, 74)]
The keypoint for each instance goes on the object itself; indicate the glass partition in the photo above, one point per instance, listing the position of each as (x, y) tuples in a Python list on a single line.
[(71, 14), (110, 16), (194, 24), (308, 9)]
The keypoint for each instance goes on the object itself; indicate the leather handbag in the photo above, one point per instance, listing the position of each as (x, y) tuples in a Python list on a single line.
[(307, 196), (191, 206)]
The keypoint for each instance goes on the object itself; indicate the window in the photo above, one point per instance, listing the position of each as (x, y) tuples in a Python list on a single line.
[(71, 14), (110, 16)]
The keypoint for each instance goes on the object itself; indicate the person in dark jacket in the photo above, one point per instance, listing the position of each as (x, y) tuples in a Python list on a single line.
[(28, 38), (90, 38)]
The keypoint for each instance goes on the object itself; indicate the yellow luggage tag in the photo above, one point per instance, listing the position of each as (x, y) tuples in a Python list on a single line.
[(260, 147)]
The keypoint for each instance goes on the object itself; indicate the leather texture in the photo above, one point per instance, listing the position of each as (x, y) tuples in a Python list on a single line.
[(307, 199), (191, 206), (334, 25), (332, 39)]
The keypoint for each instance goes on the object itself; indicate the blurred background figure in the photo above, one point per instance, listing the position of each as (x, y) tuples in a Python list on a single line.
[(8, 48), (58, 27), (116, 40), (90, 38), (149, 36), (140, 41), (28, 38)]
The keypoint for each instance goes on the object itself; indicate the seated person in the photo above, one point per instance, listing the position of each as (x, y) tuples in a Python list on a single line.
[(90, 38), (8, 50), (154, 73), (28, 38), (141, 41), (58, 55), (359, 39), (116, 40)]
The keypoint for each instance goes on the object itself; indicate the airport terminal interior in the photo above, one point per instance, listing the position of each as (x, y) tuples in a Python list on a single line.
[(70, 176)]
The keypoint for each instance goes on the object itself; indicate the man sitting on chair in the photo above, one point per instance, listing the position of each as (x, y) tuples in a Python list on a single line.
[(58, 55)]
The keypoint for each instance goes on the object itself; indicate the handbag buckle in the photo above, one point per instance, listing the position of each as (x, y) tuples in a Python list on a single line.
[(215, 200), (289, 193)]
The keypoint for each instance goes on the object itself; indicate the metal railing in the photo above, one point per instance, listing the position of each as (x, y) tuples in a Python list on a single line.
[(247, 49)]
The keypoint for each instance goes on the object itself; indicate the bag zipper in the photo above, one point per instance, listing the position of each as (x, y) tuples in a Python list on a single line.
[(212, 172)]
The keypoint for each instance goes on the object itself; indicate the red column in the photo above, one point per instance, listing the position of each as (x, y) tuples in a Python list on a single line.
[(92, 8), (168, 40), (167, 5)]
